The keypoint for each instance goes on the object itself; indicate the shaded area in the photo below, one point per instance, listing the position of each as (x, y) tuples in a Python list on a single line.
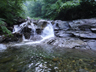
[(34, 58), (61, 9)]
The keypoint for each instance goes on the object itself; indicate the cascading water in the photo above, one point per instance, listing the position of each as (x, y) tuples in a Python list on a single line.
[(47, 32), (33, 30), (16, 28)]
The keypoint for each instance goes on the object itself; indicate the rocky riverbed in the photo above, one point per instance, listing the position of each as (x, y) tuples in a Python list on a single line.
[(69, 34), (76, 34), (46, 58), (50, 46)]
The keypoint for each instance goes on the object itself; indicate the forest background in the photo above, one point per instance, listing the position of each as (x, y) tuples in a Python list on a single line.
[(11, 11)]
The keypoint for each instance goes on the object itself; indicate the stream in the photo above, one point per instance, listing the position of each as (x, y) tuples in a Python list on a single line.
[(46, 58), (44, 52)]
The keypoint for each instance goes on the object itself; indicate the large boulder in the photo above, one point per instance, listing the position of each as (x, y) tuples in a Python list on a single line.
[(26, 32), (63, 25), (42, 24), (83, 24)]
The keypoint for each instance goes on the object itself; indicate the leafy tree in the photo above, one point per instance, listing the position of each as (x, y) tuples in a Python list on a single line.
[(10, 11), (35, 9), (63, 9), (3, 27)]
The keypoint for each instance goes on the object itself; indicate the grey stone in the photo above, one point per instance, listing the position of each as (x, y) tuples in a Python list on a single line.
[(62, 34), (92, 44), (93, 30), (67, 43), (86, 35), (63, 25), (42, 24)]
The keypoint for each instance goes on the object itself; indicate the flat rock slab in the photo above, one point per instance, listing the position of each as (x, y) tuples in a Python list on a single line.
[(92, 44), (83, 24), (62, 34), (73, 43), (86, 35)]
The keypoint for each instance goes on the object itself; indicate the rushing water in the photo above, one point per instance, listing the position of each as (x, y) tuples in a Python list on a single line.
[(47, 32), (36, 56)]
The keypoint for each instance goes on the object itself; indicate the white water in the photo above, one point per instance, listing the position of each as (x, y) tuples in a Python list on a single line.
[(33, 28), (47, 32), (2, 47), (16, 28)]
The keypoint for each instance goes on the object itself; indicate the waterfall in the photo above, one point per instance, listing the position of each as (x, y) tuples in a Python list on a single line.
[(16, 28), (33, 30), (23, 38), (46, 33)]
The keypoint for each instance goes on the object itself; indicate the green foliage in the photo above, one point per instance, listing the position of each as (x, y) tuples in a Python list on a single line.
[(10, 12), (3, 27), (37, 18), (34, 8), (62, 9), (69, 4)]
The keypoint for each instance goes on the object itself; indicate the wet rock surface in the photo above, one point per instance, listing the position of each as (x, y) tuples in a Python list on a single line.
[(68, 43), (92, 44), (76, 34), (63, 25), (72, 49)]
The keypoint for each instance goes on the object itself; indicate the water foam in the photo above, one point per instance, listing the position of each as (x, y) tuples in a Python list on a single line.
[(2, 47), (47, 32)]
